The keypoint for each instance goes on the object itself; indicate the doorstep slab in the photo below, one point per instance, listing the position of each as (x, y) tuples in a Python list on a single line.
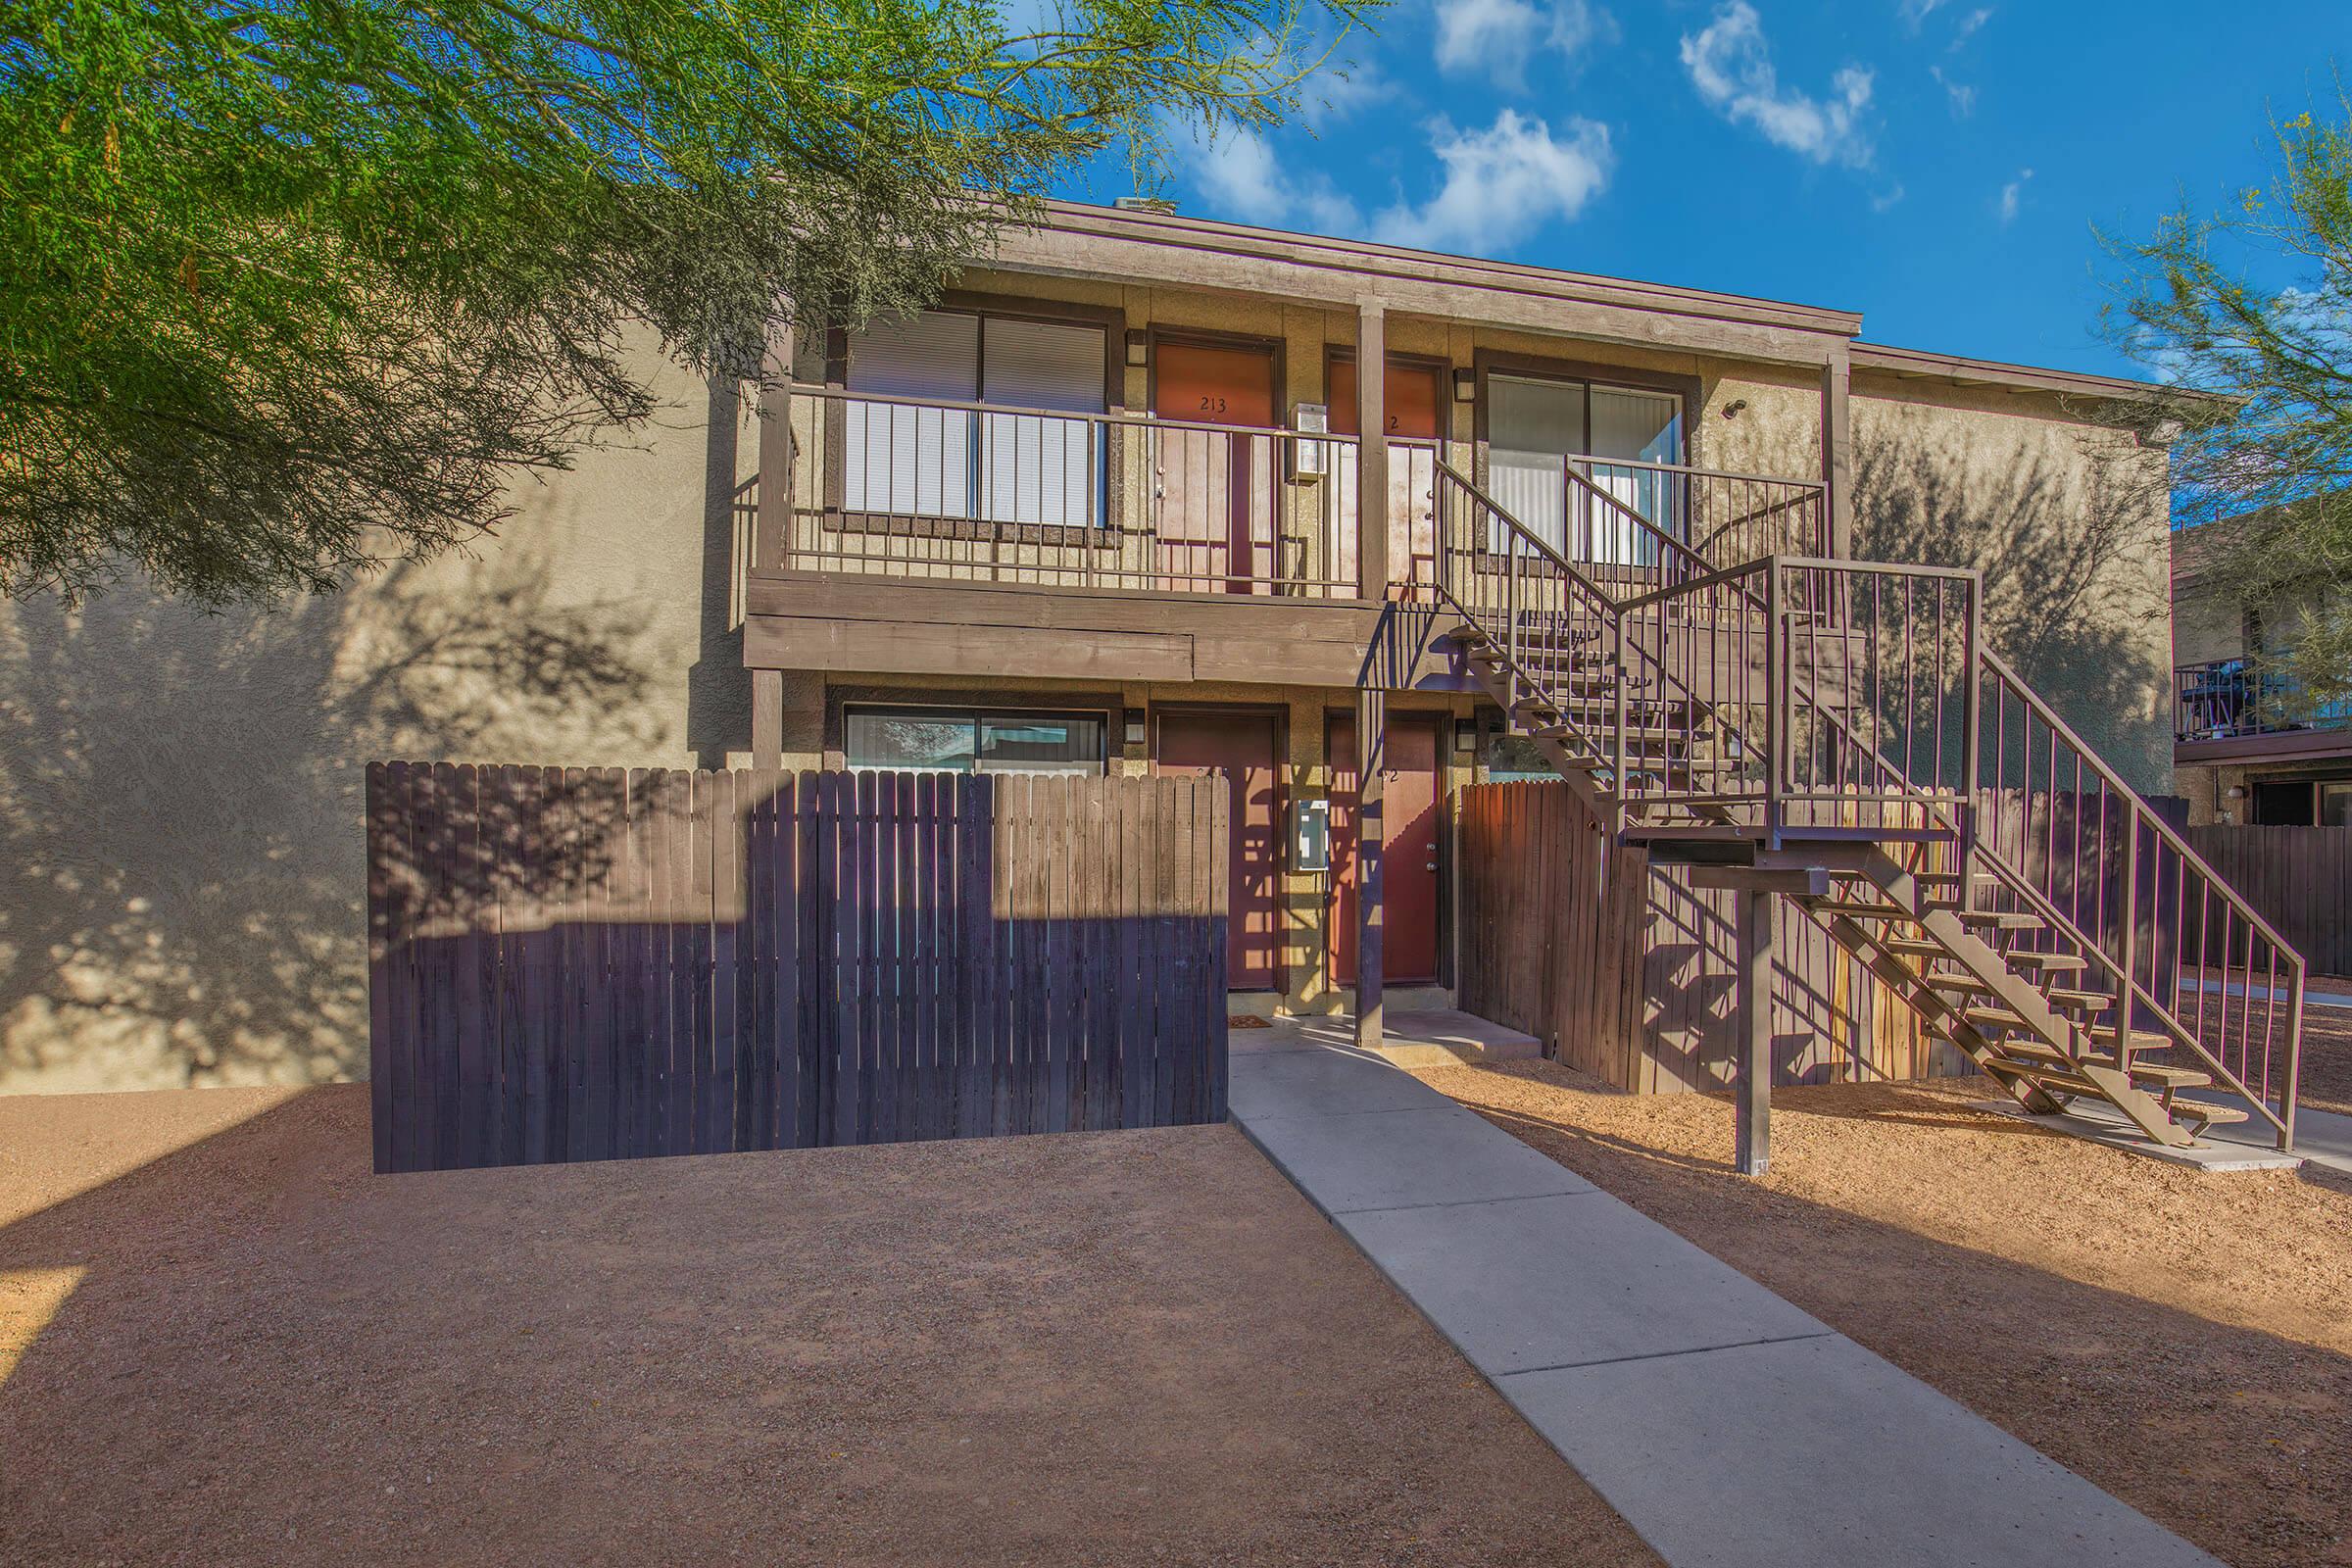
[(1390, 1159), (1566, 1279), (1817, 1453)]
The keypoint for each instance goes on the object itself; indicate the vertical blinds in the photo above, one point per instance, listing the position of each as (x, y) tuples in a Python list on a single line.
[(1042, 364)]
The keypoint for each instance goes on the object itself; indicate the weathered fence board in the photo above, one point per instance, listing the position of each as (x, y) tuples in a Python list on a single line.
[(1625, 971), (2299, 879), (588, 963)]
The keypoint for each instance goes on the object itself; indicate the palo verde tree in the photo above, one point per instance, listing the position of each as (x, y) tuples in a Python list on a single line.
[(291, 285), (2246, 318)]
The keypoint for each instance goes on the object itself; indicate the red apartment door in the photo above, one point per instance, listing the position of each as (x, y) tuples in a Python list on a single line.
[(1409, 872), (1409, 399), (1245, 749), (1216, 487)]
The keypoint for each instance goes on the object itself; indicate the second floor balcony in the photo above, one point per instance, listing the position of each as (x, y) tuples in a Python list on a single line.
[(949, 491)]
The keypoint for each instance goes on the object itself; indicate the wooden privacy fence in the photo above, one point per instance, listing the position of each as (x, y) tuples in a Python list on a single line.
[(598, 963), (2300, 879), (1626, 971), (1630, 973)]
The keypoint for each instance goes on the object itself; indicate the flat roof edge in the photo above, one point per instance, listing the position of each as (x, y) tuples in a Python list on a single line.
[(1375, 261), (1924, 365)]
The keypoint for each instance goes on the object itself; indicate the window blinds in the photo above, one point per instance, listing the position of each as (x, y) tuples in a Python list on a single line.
[(1019, 467)]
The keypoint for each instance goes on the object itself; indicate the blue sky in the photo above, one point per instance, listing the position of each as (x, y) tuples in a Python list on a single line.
[(1938, 164)]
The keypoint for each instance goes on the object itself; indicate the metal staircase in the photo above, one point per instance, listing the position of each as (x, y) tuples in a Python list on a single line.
[(1835, 728)]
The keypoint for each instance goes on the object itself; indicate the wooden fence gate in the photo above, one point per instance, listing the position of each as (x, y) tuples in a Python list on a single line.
[(593, 964)]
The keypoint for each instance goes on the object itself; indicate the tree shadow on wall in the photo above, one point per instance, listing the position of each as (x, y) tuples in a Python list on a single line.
[(2063, 601), (181, 800)]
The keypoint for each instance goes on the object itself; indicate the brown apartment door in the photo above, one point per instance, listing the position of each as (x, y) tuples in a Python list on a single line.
[(1215, 487), (1409, 811), (1242, 748), (1409, 398)]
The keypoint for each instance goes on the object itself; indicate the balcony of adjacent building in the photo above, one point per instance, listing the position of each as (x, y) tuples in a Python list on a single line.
[(2239, 710)]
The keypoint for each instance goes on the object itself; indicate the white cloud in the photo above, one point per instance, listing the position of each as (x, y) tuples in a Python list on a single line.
[(1969, 25), (1963, 96), (1915, 12), (1498, 186), (1498, 37), (1730, 66), (2012, 193), (1242, 179), (1502, 183), (1885, 201), (1338, 91)]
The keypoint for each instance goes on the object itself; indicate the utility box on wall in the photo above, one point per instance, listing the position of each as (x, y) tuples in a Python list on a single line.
[(1311, 833)]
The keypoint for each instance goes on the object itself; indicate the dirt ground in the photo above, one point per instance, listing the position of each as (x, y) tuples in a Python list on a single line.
[(222, 1341), (2326, 1081), (2185, 1340)]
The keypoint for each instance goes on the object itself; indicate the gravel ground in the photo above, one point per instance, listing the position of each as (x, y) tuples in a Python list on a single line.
[(2185, 1340), (233, 1345), (2326, 1082)]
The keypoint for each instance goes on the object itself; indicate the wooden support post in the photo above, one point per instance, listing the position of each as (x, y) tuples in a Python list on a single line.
[(768, 718), (1752, 1103), (1372, 450), (771, 532), (1838, 448), (1372, 761)]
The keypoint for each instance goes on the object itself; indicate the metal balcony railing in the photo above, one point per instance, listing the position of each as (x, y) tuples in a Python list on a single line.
[(2226, 699), (932, 489)]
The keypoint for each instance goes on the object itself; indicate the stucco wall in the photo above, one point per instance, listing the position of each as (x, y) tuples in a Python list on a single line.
[(180, 794), (2067, 521)]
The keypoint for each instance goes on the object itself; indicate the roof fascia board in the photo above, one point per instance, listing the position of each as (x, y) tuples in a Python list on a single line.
[(1095, 243), (1918, 364)]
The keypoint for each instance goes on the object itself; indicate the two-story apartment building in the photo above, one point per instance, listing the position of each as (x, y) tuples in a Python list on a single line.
[(1105, 508)]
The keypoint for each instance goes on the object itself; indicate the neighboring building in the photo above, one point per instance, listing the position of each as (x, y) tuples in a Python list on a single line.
[(1078, 517), (2249, 746)]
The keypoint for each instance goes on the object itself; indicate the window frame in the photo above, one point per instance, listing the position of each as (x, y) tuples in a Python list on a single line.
[(1486, 363), (976, 714), (1104, 532)]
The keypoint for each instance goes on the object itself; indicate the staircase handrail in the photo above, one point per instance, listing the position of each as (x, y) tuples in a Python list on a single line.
[(1590, 597), (1566, 567), (1956, 816), (2124, 965)]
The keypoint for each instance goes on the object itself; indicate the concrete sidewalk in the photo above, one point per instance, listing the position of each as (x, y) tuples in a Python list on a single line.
[(1725, 1426)]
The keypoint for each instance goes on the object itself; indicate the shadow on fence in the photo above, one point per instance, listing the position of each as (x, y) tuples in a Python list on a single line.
[(597, 963)]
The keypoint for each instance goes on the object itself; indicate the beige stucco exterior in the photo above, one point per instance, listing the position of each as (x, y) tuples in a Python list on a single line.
[(2067, 521), (180, 794)]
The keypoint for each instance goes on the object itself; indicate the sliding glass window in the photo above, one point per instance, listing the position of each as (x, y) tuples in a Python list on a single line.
[(974, 741), (904, 459), (1573, 461)]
